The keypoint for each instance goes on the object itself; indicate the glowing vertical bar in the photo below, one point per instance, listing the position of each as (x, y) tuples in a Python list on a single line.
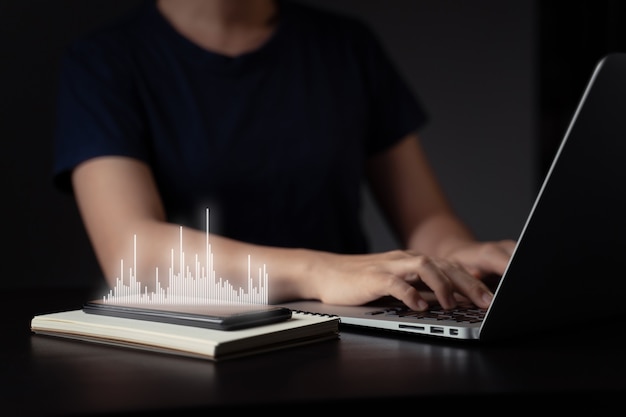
[(208, 246), (120, 282), (135, 253), (170, 287), (180, 244), (260, 283), (248, 280), (265, 286)]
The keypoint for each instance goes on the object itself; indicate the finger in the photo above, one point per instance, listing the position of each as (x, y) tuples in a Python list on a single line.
[(407, 293), (475, 290), (437, 279), (431, 274)]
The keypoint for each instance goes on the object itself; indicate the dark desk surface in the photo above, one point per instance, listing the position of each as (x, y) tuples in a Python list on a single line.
[(45, 376)]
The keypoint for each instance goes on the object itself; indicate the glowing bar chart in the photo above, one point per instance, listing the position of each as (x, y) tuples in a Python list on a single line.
[(192, 283)]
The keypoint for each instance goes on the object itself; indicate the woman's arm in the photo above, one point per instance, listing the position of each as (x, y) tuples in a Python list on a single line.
[(118, 199), (407, 190)]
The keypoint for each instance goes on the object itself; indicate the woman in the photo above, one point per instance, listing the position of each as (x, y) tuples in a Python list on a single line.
[(271, 114)]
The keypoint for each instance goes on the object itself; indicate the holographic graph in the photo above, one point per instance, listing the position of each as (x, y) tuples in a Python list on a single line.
[(195, 283)]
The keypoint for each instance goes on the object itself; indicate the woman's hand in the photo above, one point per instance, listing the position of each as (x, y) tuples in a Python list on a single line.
[(483, 258), (358, 279)]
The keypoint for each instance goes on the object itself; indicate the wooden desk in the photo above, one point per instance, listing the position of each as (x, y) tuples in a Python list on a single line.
[(44, 376)]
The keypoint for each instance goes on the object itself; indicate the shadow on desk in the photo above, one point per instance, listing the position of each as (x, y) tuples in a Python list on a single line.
[(360, 371), (45, 376)]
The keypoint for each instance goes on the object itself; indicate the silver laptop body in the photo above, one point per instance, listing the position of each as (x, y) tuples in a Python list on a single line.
[(567, 268)]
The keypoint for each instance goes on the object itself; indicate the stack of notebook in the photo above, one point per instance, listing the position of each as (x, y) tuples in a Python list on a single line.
[(214, 332)]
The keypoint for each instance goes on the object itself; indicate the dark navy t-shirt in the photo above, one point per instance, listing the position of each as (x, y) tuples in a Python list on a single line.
[(273, 142)]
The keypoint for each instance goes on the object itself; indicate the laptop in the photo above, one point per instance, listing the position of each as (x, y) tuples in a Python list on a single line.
[(567, 269)]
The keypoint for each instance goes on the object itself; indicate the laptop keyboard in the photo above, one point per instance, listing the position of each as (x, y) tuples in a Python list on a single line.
[(461, 314)]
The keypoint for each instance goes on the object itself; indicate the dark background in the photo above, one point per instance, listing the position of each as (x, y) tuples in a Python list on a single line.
[(500, 79)]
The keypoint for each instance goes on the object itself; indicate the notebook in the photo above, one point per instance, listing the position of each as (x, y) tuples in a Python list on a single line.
[(567, 270), (181, 338)]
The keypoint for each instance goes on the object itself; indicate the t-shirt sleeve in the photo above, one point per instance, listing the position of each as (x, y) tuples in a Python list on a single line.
[(395, 109), (96, 111)]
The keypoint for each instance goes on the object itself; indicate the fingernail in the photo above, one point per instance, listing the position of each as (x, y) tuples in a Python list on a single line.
[(487, 297), (422, 305)]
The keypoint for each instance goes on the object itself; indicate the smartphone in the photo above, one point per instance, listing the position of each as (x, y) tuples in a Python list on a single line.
[(216, 316)]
